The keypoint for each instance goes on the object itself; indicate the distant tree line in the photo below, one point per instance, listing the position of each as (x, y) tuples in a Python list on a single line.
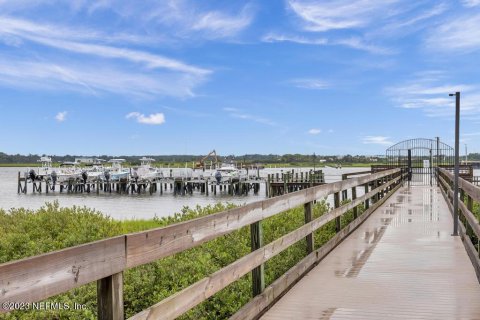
[(247, 158)]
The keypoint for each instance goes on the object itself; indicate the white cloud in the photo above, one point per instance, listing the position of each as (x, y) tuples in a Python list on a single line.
[(429, 92), (314, 131), (339, 14), (59, 37), (61, 116), (360, 44), (152, 119), (219, 24), (470, 3), (381, 140), (313, 84), (94, 79), (239, 114), (146, 74), (352, 42), (273, 37), (186, 18), (460, 34)]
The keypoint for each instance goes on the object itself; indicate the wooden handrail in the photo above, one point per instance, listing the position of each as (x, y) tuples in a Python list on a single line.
[(472, 192), (40, 277)]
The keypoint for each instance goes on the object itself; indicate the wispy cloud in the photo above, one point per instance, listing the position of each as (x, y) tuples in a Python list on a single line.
[(273, 37), (93, 79), (429, 91), (145, 74), (470, 3), (340, 14), (314, 131), (61, 116), (381, 140), (460, 34), (352, 42), (151, 119), (57, 37), (310, 83), (218, 24), (239, 114), (186, 18)]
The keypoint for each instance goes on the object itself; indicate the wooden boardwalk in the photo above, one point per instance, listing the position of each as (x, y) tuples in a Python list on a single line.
[(401, 263)]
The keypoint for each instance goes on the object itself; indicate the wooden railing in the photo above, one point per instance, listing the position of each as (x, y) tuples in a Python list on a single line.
[(40, 277), (469, 227)]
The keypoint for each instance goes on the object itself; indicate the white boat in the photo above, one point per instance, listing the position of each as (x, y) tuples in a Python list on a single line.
[(228, 173), (95, 173), (46, 169), (67, 172), (146, 171), (116, 172)]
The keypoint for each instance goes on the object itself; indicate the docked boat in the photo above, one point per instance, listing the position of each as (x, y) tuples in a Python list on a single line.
[(94, 174), (46, 167), (227, 173), (146, 172), (68, 171), (116, 172)]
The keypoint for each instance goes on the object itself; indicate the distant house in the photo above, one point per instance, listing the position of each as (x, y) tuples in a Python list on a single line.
[(85, 160)]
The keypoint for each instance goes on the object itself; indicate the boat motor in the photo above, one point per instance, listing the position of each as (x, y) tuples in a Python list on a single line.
[(54, 177), (84, 176), (32, 175), (218, 177), (107, 175)]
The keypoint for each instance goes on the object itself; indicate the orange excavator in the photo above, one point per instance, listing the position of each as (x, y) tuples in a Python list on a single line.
[(212, 155)]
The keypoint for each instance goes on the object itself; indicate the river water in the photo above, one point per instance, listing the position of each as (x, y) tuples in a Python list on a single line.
[(134, 206)]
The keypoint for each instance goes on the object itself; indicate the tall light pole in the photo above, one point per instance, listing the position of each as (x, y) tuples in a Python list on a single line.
[(457, 151), (466, 155)]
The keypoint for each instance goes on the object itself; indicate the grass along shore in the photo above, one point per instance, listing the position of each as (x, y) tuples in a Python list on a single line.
[(31, 232)]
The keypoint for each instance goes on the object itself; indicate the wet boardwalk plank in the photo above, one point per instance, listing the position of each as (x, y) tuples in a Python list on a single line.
[(402, 263)]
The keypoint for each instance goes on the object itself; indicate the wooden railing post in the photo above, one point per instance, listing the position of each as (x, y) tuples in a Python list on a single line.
[(344, 192), (354, 196), (367, 201), (110, 297), (336, 201), (375, 196), (308, 217), (258, 273)]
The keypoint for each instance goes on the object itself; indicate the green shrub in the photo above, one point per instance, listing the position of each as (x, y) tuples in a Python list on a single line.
[(27, 233)]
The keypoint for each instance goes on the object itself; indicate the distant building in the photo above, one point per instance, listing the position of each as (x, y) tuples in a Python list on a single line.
[(85, 160)]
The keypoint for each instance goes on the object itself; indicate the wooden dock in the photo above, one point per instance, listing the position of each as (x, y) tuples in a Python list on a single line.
[(395, 260), (176, 184), (402, 263), (291, 181)]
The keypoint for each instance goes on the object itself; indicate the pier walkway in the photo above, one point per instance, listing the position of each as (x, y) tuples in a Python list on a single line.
[(401, 263), (392, 256)]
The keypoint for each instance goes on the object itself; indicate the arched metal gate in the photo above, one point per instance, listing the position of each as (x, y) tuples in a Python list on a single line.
[(420, 157)]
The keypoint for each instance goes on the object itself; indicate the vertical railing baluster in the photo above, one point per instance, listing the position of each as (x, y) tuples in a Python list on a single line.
[(258, 273), (354, 196), (308, 218), (336, 201)]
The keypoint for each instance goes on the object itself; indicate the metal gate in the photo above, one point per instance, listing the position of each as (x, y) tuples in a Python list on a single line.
[(420, 157)]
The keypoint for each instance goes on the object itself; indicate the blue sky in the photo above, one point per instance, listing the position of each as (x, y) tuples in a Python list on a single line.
[(184, 77)]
